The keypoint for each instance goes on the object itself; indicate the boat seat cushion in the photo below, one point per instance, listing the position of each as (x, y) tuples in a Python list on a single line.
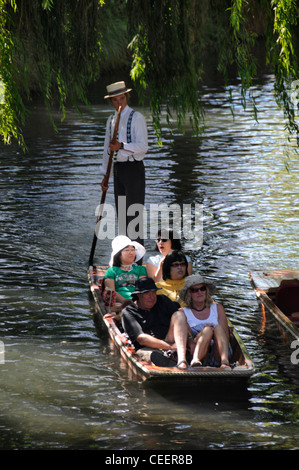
[(287, 297)]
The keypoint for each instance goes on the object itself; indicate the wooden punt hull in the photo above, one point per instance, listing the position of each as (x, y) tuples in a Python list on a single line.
[(272, 288), (242, 368)]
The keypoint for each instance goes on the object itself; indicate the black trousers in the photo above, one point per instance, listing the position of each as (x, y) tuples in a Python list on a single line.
[(129, 181)]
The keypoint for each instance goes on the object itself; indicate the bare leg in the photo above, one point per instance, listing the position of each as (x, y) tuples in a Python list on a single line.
[(221, 342), (178, 333), (202, 340)]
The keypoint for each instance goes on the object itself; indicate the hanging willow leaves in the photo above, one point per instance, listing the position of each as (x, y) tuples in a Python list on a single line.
[(163, 63), (12, 110), (56, 48), (285, 56), (169, 39), (50, 48)]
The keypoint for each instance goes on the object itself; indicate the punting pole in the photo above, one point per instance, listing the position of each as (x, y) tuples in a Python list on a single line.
[(105, 185)]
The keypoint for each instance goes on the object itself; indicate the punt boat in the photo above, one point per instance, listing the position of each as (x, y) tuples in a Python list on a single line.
[(241, 365), (278, 292)]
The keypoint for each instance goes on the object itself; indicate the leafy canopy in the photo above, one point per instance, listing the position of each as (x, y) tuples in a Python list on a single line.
[(57, 48)]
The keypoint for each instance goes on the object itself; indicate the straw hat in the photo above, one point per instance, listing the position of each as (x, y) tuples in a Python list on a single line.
[(120, 242), (116, 89), (193, 280)]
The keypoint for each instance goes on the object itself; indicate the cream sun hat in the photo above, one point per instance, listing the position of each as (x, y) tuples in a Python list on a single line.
[(116, 89), (120, 242), (193, 280)]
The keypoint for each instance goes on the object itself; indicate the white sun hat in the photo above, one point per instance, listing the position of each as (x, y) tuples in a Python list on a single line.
[(120, 242)]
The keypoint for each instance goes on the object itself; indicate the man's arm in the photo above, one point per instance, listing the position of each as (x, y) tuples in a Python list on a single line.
[(149, 341)]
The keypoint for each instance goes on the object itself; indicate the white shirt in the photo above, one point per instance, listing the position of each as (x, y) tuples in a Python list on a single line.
[(197, 325), (139, 141), (156, 259)]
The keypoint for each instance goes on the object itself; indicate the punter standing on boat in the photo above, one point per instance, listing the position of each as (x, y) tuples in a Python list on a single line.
[(129, 151)]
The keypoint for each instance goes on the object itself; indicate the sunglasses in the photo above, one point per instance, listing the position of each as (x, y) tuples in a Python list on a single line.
[(164, 240), (193, 290), (176, 264)]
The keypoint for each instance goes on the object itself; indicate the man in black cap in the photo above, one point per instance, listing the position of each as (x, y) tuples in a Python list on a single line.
[(155, 322)]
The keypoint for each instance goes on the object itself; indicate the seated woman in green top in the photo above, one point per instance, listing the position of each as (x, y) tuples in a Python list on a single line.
[(124, 271)]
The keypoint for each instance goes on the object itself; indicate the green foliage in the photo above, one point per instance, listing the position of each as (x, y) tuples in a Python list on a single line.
[(114, 41), (163, 66), (12, 109), (169, 39), (56, 48), (48, 47), (285, 56)]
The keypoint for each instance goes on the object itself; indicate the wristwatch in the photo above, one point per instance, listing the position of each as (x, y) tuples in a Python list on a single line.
[(121, 145)]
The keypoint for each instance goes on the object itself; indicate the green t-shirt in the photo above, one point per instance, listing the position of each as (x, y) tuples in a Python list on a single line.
[(125, 280)]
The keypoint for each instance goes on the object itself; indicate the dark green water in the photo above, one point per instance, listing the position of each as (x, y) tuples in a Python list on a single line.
[(62, 387)]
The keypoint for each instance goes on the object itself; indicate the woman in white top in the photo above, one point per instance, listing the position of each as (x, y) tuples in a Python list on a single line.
[(207, 321), (166, 242)]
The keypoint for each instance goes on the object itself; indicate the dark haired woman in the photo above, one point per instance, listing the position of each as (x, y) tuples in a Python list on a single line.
[(174, 272), (166, 241)]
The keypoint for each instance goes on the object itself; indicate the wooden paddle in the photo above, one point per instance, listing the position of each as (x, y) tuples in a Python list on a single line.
[(105, 185)]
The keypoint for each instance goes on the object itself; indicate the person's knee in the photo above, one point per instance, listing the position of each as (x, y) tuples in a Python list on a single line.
[(220, 336), (179, 316), (219, 330), (208, 330)]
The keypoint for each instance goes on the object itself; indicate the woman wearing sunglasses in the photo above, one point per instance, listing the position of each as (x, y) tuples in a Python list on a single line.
[(208, 323), (174, 273), (166, 242)]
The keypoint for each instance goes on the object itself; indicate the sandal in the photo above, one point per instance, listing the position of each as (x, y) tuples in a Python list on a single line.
[(225, 365), (196, 364), (179, 365)]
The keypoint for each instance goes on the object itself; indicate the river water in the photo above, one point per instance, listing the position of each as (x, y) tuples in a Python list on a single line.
[(62, 386)]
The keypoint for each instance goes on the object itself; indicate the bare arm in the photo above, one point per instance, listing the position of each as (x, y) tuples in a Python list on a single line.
[(155, 272), (149, 341), (110, 284)]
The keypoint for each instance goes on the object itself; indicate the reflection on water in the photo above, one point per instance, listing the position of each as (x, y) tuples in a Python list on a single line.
[(62, 386)]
